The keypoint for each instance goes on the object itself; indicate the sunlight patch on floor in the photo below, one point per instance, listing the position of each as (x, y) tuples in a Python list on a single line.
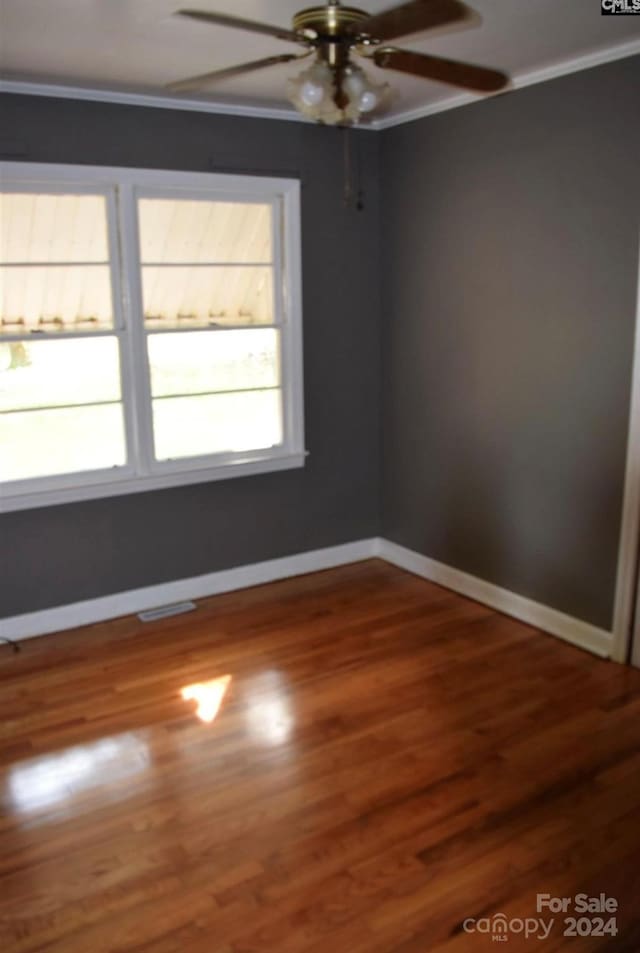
[(208, 695)]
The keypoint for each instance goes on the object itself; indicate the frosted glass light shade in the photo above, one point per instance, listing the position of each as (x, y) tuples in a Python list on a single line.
[(313, 93)]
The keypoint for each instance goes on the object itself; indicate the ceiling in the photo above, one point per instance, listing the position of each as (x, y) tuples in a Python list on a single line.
[(137, 46)]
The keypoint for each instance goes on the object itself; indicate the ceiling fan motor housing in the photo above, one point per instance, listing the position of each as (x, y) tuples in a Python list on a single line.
[(331, 22), (332, 30)]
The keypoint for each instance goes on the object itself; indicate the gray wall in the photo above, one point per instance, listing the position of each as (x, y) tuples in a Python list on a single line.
[(68, 553), (511, 265), (510, 250)]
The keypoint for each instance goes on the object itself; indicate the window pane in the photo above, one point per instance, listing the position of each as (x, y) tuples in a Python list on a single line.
[(195, 426), (46, 442), (40, 228), (55, 298), (196, 297), (206, 362), (177, 230), (54, 373)]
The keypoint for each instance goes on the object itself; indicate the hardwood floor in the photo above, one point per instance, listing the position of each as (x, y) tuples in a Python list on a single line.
[(387, 760)]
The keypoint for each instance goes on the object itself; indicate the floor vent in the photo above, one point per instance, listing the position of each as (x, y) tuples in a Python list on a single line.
[(163, 612)]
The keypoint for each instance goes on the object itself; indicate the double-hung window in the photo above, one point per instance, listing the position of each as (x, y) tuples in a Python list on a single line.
[(150, 330)]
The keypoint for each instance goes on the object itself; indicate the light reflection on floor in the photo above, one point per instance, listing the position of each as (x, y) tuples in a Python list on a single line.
[(208, 695), (54, 778), (270, 718), (49, 781), (265, 704)]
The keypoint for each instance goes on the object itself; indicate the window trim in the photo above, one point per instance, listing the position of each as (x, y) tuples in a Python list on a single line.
[(125, 185)]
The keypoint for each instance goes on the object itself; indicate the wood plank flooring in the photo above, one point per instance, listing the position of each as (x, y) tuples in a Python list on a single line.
[(376, 760)]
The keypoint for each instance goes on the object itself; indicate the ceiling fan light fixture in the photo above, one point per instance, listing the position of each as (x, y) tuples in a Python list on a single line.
[(311, 91), (314, 93), (369, 101), (311, 94), (363, 93), (336, 91), (313, 85)]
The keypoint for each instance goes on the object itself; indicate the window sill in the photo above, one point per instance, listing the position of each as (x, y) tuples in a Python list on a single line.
[(126, 485)]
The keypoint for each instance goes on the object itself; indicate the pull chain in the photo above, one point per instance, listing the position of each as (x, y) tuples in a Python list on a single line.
[(352, 192)]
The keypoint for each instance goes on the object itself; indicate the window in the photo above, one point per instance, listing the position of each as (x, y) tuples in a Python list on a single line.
[(150, 330)]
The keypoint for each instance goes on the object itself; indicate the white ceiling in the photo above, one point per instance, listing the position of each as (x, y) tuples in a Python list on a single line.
[(138, 46)]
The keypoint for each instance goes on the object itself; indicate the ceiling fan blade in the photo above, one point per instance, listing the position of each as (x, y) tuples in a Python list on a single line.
[(197, 82), (222, 19), (414, 17), (465, 75)]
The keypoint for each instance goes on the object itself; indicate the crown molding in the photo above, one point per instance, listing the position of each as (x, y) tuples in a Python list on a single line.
[(519, 81), (123, 98)]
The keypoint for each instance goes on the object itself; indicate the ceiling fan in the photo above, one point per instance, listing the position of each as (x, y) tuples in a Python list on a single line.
[(335, 89)]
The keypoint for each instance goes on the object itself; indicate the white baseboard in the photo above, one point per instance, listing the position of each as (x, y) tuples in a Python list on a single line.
[(572, 630), (32, 624), (579, 633)]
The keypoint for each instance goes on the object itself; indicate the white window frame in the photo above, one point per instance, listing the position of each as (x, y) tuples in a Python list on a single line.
[(122, 187)]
